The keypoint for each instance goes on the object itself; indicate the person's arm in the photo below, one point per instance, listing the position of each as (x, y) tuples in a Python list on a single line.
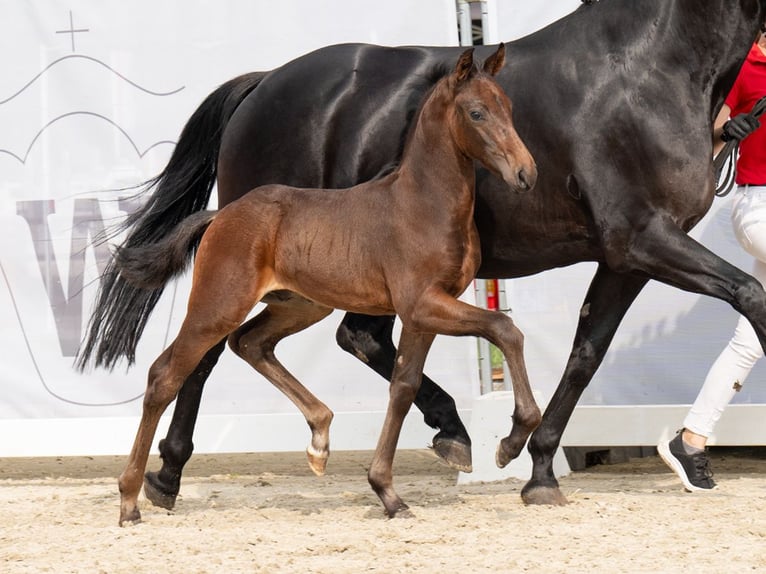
[(723, 115)]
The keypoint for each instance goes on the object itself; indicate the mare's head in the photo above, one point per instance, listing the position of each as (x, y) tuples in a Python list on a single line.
[(481, 124)]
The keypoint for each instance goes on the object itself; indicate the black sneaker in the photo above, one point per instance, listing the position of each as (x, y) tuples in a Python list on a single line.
[(693, 469)]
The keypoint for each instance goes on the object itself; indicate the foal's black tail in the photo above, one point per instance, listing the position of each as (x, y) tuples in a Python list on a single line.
[(152, 265), (184, 187)]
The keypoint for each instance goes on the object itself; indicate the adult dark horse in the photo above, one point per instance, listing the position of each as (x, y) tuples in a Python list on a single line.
[(618, 101), (278, 244)]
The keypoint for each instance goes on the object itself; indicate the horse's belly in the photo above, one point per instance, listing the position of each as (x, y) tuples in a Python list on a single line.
[(347, 293), (337, 280)]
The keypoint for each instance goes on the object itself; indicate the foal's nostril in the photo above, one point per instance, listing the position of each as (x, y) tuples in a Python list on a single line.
[(523, 182), (527, 177)]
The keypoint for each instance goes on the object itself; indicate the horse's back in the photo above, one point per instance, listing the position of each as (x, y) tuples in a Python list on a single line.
[(327, 118)]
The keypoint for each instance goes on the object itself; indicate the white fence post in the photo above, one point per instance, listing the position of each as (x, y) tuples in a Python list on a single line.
[(464, 23)]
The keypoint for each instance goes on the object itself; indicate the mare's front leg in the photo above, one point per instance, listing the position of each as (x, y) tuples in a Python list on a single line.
[(161, 488), (369, 338), (408, 370), (255, 342), (608, 298), (438, 312)]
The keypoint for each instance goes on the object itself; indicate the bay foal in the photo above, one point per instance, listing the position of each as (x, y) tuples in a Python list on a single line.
[(404, 244)]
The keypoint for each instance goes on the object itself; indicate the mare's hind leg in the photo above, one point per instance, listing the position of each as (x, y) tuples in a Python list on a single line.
[(608, 298), (438, 312), (161, 488), (413, 348), (255, 342), (369, 338)]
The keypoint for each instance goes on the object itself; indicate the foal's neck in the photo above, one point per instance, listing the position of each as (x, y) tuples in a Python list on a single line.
[(433, 160)]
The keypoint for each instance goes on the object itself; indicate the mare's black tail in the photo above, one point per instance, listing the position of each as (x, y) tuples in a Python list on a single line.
[(183, 188)]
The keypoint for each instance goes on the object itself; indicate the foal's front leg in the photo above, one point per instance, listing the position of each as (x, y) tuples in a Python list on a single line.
[(369, 339), (438, 312), (410, 359)]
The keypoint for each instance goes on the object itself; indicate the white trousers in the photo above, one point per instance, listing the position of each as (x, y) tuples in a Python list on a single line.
[(733, 365)]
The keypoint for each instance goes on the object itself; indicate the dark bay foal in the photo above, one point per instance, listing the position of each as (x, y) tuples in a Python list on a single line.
[(405, 244)]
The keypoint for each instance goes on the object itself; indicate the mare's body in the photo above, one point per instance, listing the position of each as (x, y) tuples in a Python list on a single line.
[(405, 244), (617, 102)]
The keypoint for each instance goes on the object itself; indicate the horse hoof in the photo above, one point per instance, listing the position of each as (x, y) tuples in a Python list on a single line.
[(317, 460), (131, 517), (399, 510), (501, 459), (155, 493), (454, 452), (543, 495), (505, 452), (403, 514)]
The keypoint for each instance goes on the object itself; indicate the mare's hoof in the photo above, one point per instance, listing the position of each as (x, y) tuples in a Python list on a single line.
[(455, 452), (540, 495), (317, 460), (156, 494)]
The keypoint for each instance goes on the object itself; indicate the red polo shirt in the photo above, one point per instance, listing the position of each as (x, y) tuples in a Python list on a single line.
[(750, 87)]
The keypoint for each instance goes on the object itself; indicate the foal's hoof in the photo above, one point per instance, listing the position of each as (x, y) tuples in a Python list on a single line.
[(506, 452), (543, 495), (128, 518), (156, 494), (399, 510), (317, 460), (455, 452)]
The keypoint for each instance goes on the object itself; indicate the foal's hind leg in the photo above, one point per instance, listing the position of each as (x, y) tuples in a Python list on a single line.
[(166, 376), (255, 342), (161, 488), (215, 309), (438, 312)]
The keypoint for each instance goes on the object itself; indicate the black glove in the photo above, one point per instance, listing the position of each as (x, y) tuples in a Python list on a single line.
[(739, 127)]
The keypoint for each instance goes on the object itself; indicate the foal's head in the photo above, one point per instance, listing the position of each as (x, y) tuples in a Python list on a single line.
[(480, 122)]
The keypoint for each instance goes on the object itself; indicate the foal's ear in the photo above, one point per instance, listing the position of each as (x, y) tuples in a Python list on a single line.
[(495, 62), (464, 66)]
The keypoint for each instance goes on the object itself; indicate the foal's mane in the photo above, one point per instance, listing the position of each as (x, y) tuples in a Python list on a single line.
[(413, 104), (430, 78)]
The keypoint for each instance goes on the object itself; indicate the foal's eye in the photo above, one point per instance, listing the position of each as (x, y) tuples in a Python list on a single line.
[(476, 115)]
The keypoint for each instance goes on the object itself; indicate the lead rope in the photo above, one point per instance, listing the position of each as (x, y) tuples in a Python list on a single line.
[(727, 157)]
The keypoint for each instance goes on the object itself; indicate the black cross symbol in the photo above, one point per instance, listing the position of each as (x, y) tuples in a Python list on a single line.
[(72, 29)]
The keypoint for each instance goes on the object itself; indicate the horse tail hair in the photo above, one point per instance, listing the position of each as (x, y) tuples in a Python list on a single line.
[(152, 265), (184, 187)]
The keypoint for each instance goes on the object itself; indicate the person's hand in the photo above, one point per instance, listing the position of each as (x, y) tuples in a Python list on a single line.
[(739, 127)]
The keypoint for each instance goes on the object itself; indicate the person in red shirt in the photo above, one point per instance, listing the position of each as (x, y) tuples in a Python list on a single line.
[(685, 454)]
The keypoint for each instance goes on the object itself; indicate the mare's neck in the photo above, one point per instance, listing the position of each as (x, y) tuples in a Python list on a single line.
[(710, 38)]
